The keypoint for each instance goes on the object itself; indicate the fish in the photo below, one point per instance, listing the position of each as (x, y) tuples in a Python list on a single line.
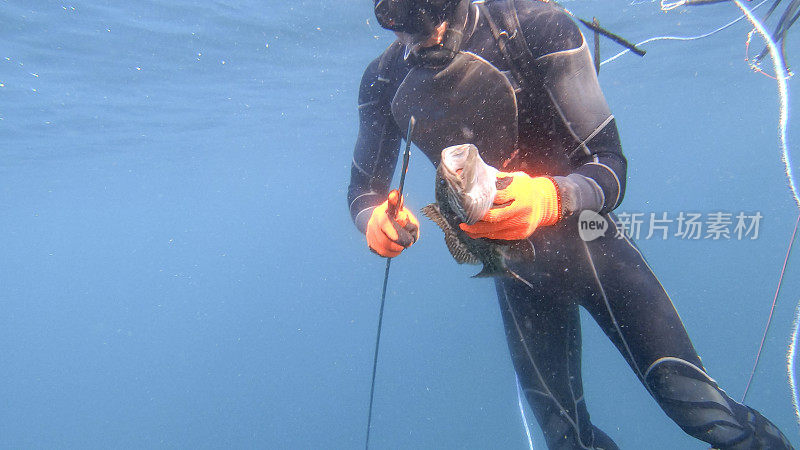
[(465, 190)]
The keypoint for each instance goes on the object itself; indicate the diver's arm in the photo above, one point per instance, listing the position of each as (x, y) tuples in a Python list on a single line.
[(565, 70), (376, 150)]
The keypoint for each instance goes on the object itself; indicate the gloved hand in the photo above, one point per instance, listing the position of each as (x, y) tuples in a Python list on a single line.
[(392, 228), (525, 204)]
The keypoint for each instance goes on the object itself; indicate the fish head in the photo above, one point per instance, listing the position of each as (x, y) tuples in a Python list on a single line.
[(470, 182)]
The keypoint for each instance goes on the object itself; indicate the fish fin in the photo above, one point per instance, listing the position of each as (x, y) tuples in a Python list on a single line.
[(459, 251), (502, 272), (491, 271), (493, 267), (486, 273), (432, 212), (457, 248), (518, 251)]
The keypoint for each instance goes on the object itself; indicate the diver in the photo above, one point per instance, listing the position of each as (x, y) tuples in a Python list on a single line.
[(516, 79)]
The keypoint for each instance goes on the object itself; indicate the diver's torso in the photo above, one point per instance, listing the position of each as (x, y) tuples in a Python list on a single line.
[(541, 146)]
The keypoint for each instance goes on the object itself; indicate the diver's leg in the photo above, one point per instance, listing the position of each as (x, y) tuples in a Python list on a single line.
[(544, 338), (633, 309)]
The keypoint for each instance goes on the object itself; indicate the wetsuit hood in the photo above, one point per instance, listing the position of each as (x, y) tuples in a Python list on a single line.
[(416, 20)]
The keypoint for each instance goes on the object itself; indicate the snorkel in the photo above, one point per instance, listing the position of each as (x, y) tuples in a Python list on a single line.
[(416, 21)]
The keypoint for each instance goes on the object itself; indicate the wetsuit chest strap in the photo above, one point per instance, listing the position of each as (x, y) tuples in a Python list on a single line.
[(502, 18)]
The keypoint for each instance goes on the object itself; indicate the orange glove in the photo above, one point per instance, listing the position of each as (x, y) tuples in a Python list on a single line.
[(392, 228), (525, 204)]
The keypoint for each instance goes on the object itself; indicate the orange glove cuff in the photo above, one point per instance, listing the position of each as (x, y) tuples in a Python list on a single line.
[(551, 200)]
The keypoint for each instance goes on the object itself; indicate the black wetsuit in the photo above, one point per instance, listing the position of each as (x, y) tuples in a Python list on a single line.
[(565, 131)]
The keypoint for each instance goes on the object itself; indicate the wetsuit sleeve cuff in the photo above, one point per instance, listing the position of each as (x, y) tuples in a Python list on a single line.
[(362, 219), (579, 193)]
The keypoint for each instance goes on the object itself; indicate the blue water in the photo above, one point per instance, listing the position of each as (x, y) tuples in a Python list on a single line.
[(179, 268)]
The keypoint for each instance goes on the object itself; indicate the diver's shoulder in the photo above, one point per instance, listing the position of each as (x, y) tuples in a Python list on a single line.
[(382, 73), (538, 10), (547, 27), (392, 55), (388, 62)]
